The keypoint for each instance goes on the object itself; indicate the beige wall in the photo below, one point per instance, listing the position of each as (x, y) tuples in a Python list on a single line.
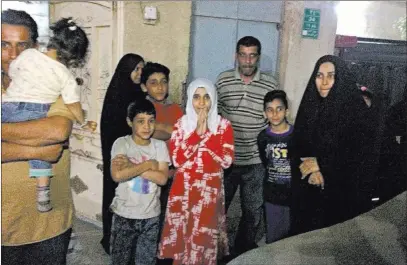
[(167, 42), (298, 55)]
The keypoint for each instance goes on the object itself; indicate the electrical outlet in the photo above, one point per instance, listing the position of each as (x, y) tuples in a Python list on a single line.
[(150, 13)]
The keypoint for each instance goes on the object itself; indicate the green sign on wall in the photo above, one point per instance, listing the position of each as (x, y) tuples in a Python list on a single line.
[(310, 26)]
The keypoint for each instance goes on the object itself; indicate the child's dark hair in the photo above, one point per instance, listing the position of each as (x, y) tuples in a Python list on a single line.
[(141, 105), (275, 94), (70, 41), (152, 68)]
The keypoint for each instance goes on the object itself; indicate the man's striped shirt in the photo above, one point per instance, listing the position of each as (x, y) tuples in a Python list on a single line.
[(242, 105)]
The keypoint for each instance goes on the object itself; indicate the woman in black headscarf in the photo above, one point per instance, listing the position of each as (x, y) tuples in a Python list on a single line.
[(330, 140), (124, 88)]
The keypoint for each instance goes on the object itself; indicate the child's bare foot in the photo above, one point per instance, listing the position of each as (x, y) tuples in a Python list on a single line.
[(90, 126)]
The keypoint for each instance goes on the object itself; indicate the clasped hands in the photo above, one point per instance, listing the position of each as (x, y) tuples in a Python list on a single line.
[(309, 166), (202, 123)]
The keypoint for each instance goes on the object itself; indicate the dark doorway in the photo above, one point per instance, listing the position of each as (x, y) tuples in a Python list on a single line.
[(381, 65)]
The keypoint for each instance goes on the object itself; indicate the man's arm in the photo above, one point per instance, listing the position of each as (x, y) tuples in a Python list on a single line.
[(11, 152), (46, 131), (262, 143), (220, 102)]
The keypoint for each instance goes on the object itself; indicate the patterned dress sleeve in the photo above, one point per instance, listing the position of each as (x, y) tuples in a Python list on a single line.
[(183, 147), (223, 152)]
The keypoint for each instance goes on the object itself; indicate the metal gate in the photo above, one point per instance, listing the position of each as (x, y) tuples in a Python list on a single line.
[(381, 65)]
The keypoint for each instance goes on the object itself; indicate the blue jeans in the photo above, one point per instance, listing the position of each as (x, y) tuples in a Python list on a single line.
[(250, 178), (48, 252), (25, 111), (134, 241)]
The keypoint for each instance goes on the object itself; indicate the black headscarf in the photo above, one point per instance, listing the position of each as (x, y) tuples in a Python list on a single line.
[(317, 117), (120, 93), (332, 129)]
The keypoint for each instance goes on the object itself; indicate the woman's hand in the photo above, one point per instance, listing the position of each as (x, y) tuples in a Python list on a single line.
[(308, 166), (316, 179), (202, 123)]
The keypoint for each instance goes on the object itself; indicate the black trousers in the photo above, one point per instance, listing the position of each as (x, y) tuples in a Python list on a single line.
[(109, 188), (48, 252)]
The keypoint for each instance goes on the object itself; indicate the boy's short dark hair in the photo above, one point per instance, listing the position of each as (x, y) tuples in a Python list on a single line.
[(275, 94), (20, 18), (249, 41), (141, 105), (152, 68)]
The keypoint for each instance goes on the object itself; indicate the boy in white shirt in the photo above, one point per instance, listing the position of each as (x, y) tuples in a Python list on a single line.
[(140, 165)]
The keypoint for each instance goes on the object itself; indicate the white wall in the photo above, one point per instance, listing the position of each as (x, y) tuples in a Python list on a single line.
[(39, 11), (370, 19)]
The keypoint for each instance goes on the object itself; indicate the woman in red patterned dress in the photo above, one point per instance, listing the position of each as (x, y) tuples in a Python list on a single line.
[(201, 146)]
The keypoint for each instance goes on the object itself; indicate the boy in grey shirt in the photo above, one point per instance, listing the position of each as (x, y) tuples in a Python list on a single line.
[(140, 166)]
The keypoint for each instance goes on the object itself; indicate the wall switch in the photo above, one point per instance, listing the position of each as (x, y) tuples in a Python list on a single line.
[(150, 13)]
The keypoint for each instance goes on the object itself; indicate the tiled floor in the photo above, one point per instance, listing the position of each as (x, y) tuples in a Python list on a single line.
[(85, 248)]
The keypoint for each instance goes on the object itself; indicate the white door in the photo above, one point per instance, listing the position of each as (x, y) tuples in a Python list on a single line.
[(96, 18)]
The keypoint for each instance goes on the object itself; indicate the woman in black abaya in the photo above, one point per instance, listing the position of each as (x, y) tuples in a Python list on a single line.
[(331, 138), (124, 88)]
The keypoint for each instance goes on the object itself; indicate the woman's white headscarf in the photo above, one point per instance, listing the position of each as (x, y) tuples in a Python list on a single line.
[(190, 119)]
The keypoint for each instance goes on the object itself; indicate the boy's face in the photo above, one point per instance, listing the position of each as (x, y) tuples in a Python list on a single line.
[(276, 112), (156, 86), (143, 126)]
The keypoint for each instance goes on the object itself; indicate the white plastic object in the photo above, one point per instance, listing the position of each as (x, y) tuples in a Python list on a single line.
[(150, 12)]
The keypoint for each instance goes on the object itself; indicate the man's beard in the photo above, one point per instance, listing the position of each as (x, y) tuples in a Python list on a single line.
[(248, 71)]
